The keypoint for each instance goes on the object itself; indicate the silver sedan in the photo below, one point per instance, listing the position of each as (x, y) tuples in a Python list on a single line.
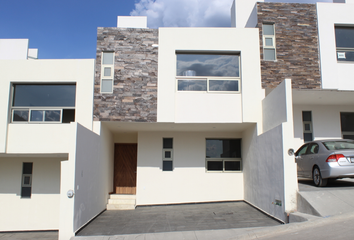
[(326, 159)]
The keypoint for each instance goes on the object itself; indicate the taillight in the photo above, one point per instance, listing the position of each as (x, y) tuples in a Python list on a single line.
[(334, 157)]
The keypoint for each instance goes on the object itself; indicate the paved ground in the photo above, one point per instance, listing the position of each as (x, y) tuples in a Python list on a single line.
[(186, 217), (52, 235), (340, 184)]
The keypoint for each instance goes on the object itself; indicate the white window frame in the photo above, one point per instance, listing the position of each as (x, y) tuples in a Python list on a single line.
[(103, 77), (223, 160), (238, 79), (273, 47), (38, 109)]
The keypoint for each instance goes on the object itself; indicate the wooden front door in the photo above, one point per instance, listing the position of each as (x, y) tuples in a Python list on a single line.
[(125, 164)]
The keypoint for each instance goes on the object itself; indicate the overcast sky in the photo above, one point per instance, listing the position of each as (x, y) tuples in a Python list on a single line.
[(68, 28)]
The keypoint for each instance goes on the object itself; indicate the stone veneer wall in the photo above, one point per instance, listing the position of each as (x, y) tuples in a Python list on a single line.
[(297, 50), (134, 97)]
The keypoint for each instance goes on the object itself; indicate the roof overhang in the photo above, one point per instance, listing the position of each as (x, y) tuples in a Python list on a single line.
[(322, 97)]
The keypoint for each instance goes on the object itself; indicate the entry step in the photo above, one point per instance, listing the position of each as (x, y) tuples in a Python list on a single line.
[(121, 202)]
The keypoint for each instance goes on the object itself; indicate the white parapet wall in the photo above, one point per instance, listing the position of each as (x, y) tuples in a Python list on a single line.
[(14, 49), (269, 172)]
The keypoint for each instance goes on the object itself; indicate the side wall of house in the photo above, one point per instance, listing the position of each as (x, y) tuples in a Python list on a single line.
[(335, 74), (296, 38), (41, 211), (269, 172), (91, 190), (134, 97), (189, 181)]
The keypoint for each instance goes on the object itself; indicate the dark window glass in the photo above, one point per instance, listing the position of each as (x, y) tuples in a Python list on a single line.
[(307, 127), (344, 37), (38, 95), (223, 148), (167, 154), (347, 122), (192, 85), (52, 116), (306, 116), (27, 180), (302, 150), (166, 165), (226, 65), (167, 143), (68, 116), (20, 116), (348, 137), (37, 115), (27, 168), (308, 137), (232, 165), (313, 149), (214, 165), (26, 192), (223, 85)]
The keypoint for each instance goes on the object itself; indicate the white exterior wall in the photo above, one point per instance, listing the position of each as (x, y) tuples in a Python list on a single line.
[(41, 211), (189, 181), (335, 75), (244, 13), (269, 172), (176, 106), (14, 49), (44, 71), (91, 175), (325, 121)]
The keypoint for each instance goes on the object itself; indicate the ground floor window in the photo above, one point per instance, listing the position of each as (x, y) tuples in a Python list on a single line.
[(347, 125), (167, 154), (223, 155), (26, 183)]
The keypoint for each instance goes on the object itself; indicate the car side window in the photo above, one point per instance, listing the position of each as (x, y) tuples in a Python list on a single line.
[(313, 149), (302, 150)]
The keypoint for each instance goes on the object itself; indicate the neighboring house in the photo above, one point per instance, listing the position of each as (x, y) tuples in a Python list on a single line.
[(173, 115)]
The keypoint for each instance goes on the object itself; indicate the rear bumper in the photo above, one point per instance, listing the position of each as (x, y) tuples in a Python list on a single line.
[(336, 171)]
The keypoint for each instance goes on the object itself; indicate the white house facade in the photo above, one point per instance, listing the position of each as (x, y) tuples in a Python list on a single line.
[(172, 115)]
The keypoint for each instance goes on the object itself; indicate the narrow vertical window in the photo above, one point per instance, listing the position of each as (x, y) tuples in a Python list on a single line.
[(307, 126), (26, 184), (347, 125), (107, 72), (167, 154), (269, 52)]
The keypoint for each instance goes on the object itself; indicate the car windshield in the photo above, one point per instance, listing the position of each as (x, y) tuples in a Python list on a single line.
[(337, 145)]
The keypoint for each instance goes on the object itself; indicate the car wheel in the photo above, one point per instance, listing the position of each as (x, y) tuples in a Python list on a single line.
[(317, 178)]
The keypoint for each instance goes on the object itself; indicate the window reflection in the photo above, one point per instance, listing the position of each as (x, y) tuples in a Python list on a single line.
[(192, 85), (223, 85), (208, 65)]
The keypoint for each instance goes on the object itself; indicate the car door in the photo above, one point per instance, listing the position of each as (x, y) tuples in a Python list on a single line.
[(300, 157), (310, 159)]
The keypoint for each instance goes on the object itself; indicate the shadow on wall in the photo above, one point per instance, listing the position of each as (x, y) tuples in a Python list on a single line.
[(45, 175)]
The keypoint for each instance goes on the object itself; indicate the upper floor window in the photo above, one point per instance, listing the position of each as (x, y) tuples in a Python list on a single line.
[(345, 43), (107, 72), (208, 72), (269, 52), (38, 103)]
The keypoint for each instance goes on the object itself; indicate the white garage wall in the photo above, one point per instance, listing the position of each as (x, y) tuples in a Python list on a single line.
[(189, 181), (41, 211)]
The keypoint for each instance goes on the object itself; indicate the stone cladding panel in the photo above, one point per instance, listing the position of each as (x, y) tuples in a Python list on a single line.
[(134, 97), (297, 46)]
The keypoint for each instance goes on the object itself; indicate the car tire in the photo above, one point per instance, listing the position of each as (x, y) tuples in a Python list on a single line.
[(317, 178)]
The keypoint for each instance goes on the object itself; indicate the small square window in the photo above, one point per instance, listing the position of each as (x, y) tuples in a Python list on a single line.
[(167, 166), (167, 143), (269, 54), (107, 72), (107, 58)]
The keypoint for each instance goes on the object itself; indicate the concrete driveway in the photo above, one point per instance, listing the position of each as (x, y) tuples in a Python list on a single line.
[(334, 199), (173, 218)]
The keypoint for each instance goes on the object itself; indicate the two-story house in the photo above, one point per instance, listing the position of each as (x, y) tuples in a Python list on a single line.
[(172, 115)]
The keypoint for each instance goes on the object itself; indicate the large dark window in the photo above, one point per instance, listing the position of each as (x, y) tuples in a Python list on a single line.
[(223, 155), (208, 72), (43, 103), (345, 43), (347, 125)]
